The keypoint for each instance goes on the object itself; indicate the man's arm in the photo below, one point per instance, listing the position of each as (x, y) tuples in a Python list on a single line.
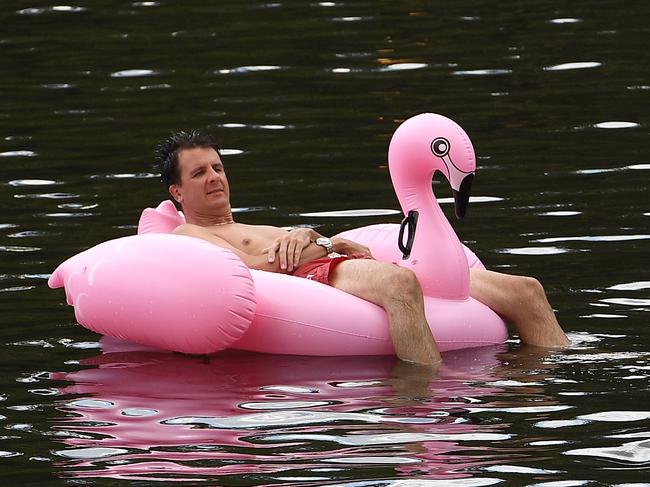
[(293, 249), (260, 262), (297, 247), (266, 261)]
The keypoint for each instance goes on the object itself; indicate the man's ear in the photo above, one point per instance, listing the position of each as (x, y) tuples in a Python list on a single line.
[(175, 192)]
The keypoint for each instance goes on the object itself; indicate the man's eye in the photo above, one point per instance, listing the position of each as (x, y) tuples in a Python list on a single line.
[(198, 173)]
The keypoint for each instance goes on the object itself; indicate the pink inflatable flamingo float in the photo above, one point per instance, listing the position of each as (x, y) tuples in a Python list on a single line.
[(136, 287)]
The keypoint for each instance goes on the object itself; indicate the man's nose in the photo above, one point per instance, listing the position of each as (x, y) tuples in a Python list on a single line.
[(212, 174)]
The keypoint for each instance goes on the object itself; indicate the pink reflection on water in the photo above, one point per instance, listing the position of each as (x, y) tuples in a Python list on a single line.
[(150, 415)]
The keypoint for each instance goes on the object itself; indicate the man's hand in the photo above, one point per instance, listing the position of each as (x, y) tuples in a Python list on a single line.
[(349, 247), (289, 247)]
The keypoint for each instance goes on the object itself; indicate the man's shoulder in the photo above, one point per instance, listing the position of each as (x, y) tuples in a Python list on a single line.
[(187, 229)]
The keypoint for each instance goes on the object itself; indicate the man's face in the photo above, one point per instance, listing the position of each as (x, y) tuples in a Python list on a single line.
[(203, 184)]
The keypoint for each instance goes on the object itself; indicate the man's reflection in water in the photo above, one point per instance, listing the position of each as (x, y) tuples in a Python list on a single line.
[(139, 413)]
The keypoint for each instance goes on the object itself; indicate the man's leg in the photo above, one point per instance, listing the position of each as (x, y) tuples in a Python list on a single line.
[(522, 302), (398, 291)]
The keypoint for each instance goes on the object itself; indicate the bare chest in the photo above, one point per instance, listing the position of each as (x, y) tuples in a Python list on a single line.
[(251, 239)]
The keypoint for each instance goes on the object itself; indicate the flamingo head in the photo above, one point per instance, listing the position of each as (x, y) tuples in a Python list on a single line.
[(427, 143)]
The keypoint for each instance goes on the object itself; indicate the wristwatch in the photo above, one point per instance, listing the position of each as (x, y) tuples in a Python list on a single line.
[(326, 243)]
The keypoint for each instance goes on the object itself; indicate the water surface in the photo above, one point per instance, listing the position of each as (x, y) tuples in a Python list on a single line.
[(304, 97)]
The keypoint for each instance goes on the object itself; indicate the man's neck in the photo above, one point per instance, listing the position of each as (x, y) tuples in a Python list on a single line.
[(209, 219)]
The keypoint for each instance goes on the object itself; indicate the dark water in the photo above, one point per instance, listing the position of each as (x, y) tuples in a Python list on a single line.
[(304, 96)]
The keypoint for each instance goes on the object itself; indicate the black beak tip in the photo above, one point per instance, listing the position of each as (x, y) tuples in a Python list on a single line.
[(460, 210), (461, 197)]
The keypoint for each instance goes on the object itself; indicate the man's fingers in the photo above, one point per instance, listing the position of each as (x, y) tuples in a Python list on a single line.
[(296, 255), (271, 252), (291, 253), (282, 254)]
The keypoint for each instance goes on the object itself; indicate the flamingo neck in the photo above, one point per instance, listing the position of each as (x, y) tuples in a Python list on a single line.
[(437, 256)]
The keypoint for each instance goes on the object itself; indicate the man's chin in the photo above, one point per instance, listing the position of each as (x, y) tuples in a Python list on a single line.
[(217, 196), (219, 203)]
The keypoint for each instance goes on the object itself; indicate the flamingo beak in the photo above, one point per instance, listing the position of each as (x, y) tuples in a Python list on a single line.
[(461, 196)]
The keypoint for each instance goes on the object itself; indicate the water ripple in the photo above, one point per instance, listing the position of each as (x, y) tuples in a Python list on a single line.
[(55, 8), (16, 289), (57, 86), (290, 389), (562, 483), (52, 196), (473, 199), (387, 438), (594, 238), (350, 19), (90, 453), (520, 469), (570, 66), (616, 416), (403, 67), (32, 233), (534, 251), (627, 301), (18, 248), (561, 213), (634, 452), (230, 152), (605, 357), (280, 405), (602, 316), (33, 182), (634, 167), (560, 423), (236, 125), (350, 213), (139, 175), (160, 86), (139, 412), (7, 454), (616, 125), (77, 206), (134, 73), (631, 286), (67, 215), (374, 460), (247, 69), (482, 72), (18, 153), (272, 419), (565, 20)]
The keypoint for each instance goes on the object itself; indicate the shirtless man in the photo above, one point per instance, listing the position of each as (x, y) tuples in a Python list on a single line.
[(192, 170)]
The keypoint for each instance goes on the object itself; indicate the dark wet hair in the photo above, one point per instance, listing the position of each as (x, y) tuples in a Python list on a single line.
[(167, 152)]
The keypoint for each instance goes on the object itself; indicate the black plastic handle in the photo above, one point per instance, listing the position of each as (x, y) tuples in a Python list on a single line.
[(409, 223)]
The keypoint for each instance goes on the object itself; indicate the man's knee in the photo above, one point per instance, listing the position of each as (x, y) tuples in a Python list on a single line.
[(401, 283), (530, 289)]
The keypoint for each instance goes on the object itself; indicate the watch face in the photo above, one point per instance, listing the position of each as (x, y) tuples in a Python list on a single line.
[(324, 242)]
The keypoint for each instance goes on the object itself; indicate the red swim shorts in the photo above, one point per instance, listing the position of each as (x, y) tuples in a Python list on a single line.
[(320, 269)]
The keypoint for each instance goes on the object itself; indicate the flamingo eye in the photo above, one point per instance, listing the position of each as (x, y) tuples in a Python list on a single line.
[(440, 147)]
